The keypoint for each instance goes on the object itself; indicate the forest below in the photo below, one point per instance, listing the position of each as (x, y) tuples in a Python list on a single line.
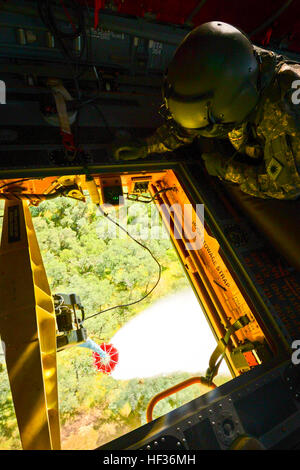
[(81, 254)]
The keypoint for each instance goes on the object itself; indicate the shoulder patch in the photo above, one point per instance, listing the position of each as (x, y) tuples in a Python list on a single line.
[(274, 168)]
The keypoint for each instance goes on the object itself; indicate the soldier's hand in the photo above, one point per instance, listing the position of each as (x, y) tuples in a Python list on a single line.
[(130, 150), (215, 164)]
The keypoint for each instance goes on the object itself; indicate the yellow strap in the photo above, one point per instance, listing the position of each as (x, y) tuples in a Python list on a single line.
[(61, 95)]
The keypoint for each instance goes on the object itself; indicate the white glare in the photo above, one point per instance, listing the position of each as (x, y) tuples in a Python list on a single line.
[(170, 336)]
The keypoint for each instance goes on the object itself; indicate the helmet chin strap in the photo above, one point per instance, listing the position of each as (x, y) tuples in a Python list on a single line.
[(217, 130)]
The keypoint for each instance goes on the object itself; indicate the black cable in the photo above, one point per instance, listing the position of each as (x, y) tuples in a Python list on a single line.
[(28, 196), (104, 119), (46, 13), (93, 100), (149, 198), (100, 83), (47, 16), (143, 246), (18, 181)]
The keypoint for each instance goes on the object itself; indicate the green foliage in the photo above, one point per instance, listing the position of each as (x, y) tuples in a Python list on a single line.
[(9, 434), (82, 254)]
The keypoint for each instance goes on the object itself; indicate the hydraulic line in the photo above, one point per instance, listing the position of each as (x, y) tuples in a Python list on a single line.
[(271, 19)]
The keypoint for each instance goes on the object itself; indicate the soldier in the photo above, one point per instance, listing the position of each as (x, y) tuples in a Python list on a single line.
[(219, 86)]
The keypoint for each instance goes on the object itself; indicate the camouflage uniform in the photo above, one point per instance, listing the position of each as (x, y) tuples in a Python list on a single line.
[(270, 137)]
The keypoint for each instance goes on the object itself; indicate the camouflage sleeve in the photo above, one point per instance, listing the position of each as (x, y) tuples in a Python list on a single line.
[(243, 174), (256, 180), (289, 82), (168, 137), (248, 178), (281, 131)]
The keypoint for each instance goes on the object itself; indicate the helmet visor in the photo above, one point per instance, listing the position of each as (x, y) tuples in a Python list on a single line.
[(190, 114)]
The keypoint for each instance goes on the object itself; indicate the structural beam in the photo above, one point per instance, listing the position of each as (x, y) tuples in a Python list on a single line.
[(28, 330)]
